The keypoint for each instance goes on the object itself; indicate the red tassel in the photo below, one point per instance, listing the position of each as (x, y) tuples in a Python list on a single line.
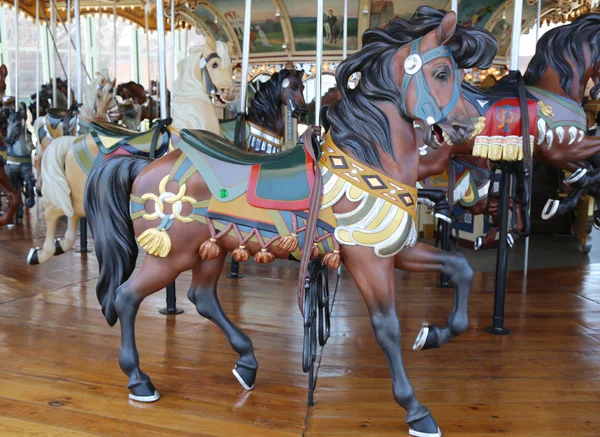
[(210, 249)]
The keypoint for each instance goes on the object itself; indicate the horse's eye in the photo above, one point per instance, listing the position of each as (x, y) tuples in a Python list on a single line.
[(215, 65), (442, 75)]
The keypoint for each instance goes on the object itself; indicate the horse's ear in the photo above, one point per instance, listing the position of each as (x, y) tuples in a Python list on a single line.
[(230, 48), (3, 71), (447, 27), (113, 82), (210, 41), (100, 78)]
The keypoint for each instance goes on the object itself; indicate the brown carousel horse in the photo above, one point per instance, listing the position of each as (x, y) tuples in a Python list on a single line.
[(13, 197), (3, 76), (566, 59), (191, 207)]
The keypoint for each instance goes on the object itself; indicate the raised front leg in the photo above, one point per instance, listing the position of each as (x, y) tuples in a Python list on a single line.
[(375, 279), (203, 294), (424, 258)]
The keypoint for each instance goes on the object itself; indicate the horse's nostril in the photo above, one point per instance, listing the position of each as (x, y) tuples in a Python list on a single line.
[(460, 129)]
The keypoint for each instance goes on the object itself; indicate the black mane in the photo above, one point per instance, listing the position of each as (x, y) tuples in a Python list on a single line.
[(266, 105), (356, 121), (563, 47)]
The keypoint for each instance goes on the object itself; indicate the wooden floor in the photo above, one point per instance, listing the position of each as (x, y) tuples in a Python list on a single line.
[(59, 373)]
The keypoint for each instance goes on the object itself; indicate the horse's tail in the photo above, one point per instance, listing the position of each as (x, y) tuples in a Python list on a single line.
[(56, 187), (107, 210)]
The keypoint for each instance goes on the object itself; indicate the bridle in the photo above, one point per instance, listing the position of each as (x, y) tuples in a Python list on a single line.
[(426, 107), (209, 85)]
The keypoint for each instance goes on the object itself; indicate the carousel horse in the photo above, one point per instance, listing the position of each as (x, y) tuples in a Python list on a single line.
[(46, 102), (3, 76), (358, 206), (18, 161), (263, 129), (130, 114), (69, 160), (13, 197), (566, 59)]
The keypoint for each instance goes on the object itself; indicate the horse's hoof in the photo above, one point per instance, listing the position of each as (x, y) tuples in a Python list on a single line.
[(246, 377), (32, 257), (478, 243), (58, 250), (597, 223), (576, 176), (550, 209), (442, 217), (421, 338), (425, 427), (152, 398), (510, 240)]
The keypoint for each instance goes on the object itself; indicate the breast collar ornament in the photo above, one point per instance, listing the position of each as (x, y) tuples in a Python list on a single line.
[(426, 107), (208, 83)]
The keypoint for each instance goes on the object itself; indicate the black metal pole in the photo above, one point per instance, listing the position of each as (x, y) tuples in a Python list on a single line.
[(497, 327), (444, 279), (171, 301), (235, 270), (83, 246)]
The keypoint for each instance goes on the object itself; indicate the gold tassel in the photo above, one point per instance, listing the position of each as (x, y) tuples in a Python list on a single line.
[(210, 249), (264, 257), (155, 242), (332, 259), (240, 254), (496, 148), (480, 148), (314, 251), (289, 242)]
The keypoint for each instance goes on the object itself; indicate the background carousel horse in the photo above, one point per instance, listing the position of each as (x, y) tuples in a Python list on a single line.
[(3, 76), (217, 206), (46, 98), (13, 197), (130, 114), (18, 162), (262, 130), (68, 160), (566, 58)]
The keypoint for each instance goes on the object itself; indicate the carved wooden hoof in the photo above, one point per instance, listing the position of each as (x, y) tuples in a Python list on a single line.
[(550, 209), (152, 398), (478, 243), (245, 376), (421, 338), (32, 257), (58, 248)]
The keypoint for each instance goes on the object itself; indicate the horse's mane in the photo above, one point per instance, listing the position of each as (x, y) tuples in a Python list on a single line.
[(266, 105), (189, 88), (563, 48), (357, 123)]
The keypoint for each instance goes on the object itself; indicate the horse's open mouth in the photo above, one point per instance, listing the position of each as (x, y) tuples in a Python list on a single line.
[(220, 102), (437, 133)]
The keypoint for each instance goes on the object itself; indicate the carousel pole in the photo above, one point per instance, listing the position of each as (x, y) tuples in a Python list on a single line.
[(37, 58), (454, 6), (162, 77), (115, 40), (172, 49), (69, 84), (83, 246), (319, 65), (235, 266), (53, 53), (147, 28), (508, 171), (16, 75), (345, 36)]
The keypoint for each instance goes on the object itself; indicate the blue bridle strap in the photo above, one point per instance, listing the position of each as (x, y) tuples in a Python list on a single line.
[(426, 108)]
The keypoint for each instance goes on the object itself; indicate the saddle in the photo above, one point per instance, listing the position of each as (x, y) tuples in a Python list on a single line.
[(281, 181), (112, 139)]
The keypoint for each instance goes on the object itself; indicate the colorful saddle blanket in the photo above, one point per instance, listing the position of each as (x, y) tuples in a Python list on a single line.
[(278, 181)]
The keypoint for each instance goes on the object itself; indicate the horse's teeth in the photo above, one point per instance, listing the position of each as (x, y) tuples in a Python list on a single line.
[(581, 135), (572, 134), (560, 133), (549, 138), (541, 125)]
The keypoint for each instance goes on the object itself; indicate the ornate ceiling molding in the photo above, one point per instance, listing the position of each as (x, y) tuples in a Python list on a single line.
[(286, 26)]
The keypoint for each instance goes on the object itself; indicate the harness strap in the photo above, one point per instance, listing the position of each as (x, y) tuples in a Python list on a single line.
[(208, 83), (161, 125), (313, 215)]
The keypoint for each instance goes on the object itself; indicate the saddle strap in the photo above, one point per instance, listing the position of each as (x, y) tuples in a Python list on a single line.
[(313, 214), (162, 124)]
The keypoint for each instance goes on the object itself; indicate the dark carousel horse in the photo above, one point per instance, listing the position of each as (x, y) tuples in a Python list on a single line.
[(3, 76), (13, 197), (18, 162), (46, 98), (263, 129), (369, 166)]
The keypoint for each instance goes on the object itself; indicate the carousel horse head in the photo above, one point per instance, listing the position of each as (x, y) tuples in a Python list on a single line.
[(16, 124), (132, 90), (3, 75), (130, 113), (572, 52), (217, 71), (410, 72), (292, 91), (4, 114), (99, 100)]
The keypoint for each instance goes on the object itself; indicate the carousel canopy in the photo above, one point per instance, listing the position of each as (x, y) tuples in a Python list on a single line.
[(288, 27)]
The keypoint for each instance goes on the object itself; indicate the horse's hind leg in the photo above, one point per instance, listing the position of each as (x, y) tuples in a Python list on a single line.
[(29, 186), (65, 244), (154, 275), (375, 279), (424, 258), (203, 294), (40, 255)]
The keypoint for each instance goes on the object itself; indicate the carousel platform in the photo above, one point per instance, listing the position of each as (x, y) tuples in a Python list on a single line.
[(59, 372)]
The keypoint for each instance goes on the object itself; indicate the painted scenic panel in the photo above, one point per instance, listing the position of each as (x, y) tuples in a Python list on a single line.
[(266, 34), (208, 19), (384, 11), (305, 25)]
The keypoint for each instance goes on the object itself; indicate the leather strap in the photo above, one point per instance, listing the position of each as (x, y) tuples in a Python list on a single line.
[(313, 214), (527, 159)]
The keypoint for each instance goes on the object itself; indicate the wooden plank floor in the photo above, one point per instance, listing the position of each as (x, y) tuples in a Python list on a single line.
[(59, 373)]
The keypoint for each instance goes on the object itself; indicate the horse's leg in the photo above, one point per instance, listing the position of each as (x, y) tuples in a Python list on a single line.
[(374, 277), (11, 195), (13, 174), (203, 294), (424, 258), (40, 255), (63, 245), (28, 180), (129, 297)]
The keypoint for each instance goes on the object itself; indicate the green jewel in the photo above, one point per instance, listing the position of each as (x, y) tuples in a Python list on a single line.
[(223, 193)]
